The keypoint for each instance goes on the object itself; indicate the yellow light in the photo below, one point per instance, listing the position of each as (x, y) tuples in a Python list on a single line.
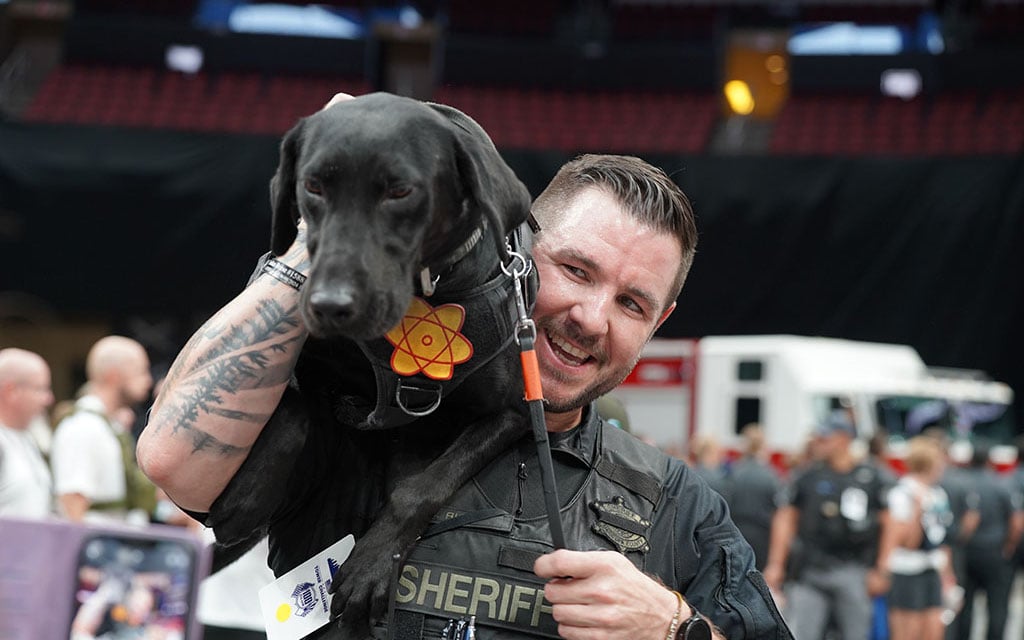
[(775, 63), (737, 93)]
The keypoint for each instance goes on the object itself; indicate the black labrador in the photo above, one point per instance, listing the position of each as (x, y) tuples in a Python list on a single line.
[(408, 206)]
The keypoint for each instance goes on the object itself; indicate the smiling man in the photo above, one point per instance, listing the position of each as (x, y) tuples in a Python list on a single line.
[(655, 554)]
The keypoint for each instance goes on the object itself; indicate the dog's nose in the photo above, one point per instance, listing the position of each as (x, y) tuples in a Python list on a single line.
[(333, 306)]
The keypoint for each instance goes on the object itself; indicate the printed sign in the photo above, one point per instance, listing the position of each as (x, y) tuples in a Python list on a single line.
[(299, 602)]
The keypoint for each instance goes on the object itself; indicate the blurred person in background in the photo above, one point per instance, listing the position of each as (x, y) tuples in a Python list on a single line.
[(613, 410), (914, 551), (958, 484), (753, 490), (26, 489), (833, 513), (878, 455), (708, 461), (93, 455), (989, 552)]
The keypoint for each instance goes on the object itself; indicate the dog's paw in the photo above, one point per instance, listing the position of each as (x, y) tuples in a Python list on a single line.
[(360, 588)]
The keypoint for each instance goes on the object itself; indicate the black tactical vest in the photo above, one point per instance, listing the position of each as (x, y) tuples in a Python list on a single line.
[(477, 557)]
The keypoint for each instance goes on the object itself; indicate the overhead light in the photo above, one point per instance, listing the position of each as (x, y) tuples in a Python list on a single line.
[(737, 94), (184, 58), (901, 83)]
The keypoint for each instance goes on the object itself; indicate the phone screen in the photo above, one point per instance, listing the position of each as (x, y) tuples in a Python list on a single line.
[(132, 589)]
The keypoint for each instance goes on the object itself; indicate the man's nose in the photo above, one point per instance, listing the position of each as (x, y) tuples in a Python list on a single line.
[(591, 314)]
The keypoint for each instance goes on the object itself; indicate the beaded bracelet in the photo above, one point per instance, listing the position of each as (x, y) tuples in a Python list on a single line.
[(674, 625)]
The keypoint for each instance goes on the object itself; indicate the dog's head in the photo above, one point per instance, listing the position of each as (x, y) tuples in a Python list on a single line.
[(384, 184)]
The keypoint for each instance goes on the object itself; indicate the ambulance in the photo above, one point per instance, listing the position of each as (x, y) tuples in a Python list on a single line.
[(717, 384)]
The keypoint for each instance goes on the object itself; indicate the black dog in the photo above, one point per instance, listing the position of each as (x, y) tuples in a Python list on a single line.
[(400, 197)]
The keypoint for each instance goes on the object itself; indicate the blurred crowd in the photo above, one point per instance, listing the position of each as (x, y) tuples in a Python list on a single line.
[(75, 459), (850, 549)]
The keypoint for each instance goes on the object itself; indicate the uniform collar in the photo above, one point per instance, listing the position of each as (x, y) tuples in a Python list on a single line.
[(582, 441)]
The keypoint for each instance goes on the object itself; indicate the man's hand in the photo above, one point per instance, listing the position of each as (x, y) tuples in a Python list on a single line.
[(601, 594), (336, 98)]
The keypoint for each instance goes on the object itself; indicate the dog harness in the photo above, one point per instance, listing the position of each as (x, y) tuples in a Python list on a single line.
[(444, 338)]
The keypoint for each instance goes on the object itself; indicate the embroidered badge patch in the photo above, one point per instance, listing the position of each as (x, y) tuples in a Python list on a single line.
[(624, 528), (428, 341)]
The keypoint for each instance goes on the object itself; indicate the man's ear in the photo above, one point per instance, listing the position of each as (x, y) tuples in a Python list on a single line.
[(664, 317)]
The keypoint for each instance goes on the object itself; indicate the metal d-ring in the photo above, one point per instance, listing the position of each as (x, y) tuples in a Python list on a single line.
[(420, 412)]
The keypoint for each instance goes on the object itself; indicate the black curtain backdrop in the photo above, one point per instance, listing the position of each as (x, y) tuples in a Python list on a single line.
[(923, 251)]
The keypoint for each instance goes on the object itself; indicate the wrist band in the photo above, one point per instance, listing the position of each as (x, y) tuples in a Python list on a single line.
[(674, 625), (283, 273)]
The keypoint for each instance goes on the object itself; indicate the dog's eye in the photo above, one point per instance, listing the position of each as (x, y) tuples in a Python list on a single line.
[(312, 185), (398, 192)]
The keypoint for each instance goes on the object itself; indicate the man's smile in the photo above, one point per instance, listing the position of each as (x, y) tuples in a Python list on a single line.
[(566, 351)]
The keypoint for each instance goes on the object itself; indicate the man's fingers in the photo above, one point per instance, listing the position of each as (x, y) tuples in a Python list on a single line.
[(553, 565), (338, 97), (583, 616), (564, 563)]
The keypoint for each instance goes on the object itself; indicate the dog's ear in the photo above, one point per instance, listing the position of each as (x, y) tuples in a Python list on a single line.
[(284, 207), (490, 182)]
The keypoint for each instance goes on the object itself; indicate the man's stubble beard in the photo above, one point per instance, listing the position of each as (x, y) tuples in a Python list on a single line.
[(591, 393)]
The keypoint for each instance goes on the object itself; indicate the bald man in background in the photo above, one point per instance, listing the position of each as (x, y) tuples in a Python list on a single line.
[(26, 489), (93, 454)]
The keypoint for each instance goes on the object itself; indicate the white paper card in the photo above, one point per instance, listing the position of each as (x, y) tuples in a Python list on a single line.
[(298, 602)]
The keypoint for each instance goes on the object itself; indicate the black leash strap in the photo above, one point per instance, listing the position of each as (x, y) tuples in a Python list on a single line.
[(526, 336)]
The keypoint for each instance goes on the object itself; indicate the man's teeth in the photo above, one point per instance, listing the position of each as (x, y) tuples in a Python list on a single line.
[(576, 354)]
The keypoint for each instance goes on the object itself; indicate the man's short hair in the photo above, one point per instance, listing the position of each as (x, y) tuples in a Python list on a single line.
[(646, 191)]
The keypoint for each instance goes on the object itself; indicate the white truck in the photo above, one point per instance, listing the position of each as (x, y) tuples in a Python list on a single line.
[(717, 384)]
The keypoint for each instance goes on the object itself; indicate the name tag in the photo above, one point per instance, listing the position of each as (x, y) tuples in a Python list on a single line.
[(298, 603)]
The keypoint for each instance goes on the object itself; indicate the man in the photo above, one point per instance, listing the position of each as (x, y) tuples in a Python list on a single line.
[(94, 470), (616, 244), (835, 510), (989, 553), (25, 485), (752, 489)]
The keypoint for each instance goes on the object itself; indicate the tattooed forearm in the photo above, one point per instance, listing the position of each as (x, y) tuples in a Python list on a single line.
[(271, 320), (236, 358)]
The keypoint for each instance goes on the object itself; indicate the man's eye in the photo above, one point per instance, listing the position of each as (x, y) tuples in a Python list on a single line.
[(576, 271), (632, 305), (313, 186)]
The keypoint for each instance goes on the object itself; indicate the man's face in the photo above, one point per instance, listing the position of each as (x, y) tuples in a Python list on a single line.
[(604, 283), (136, 380), (33, 394)]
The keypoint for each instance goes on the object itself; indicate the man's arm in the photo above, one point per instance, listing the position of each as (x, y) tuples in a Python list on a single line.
[(73, 506), (223, 388), (784, 524)]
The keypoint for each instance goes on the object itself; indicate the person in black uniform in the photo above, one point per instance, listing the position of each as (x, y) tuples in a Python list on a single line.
[(834, 512), (753, 490), (657, 553), (989, 552)]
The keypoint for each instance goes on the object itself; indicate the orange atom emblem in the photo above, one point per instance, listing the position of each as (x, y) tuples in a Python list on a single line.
[(427, 340)]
